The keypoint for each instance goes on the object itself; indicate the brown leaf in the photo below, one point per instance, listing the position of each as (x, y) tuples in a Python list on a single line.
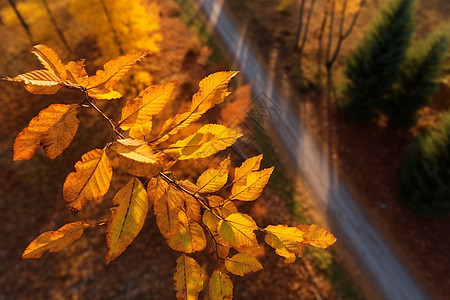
[(53, 129), (139, 159)]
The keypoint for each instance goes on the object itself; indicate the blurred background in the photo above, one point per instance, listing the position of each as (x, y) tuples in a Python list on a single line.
[(348, 99)]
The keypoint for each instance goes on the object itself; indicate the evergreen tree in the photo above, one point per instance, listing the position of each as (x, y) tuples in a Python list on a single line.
[(419, 79), (424, 175), (373, 67)]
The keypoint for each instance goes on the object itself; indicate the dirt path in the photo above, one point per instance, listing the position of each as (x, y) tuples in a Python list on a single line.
[(378, 262)]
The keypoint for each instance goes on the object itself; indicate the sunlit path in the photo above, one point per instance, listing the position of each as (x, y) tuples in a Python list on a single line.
[(380, 265)]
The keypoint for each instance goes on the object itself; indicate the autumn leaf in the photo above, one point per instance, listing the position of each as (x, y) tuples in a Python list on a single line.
[(287, 241), (316, 236), (250, 187), (220, 286), (53, 129), (48, 81), (191, 205), (237, 230), (242, 263), (167, 202), (139, 159), (208, 140), (188, 278), (76, 73), (189, 237), (141, 131), (219, 207), (100, 86), (127, 218), (90, 181), (41, 78), (147, 104), (50, 60), (55, 241), (248, 166), (213, 179), (213, 90)]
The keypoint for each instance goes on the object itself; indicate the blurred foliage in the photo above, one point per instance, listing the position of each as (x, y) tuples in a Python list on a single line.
[(424, 175), (373, 67), (420, 78)]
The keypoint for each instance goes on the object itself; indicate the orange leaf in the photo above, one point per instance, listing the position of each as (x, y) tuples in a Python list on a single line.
[(127, 218), (53, 129), (55, 241), (90, 181), (50, 60), (101, 85), (139, 159), (76, 73)]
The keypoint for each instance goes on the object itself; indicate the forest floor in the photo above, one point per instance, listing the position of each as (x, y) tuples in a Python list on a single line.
[(31, 197), (367, 154)]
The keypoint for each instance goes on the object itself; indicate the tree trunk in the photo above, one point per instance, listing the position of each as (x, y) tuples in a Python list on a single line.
[(55, 25), (113, 30), (22, 21)]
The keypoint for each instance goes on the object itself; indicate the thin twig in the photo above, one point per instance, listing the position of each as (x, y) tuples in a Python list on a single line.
[(113, 127)]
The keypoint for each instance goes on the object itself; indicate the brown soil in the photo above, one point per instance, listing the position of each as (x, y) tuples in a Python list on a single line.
[(367, 154), (31, 201)]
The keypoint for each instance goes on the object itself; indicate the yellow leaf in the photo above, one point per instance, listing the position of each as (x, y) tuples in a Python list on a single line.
[(50, 61), (138, 158), (189, 238), (209, 140), (101, 85), (141, 131), (251, 185), (287, 241), (147, 104), (90, 181), (55, 241), (220, 286), (316, 236), (214, 179), (127, 218), (188, 278), (242, 263), (280, 248), (248, 166), (213, 90), (53, 129), (237, 230)]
